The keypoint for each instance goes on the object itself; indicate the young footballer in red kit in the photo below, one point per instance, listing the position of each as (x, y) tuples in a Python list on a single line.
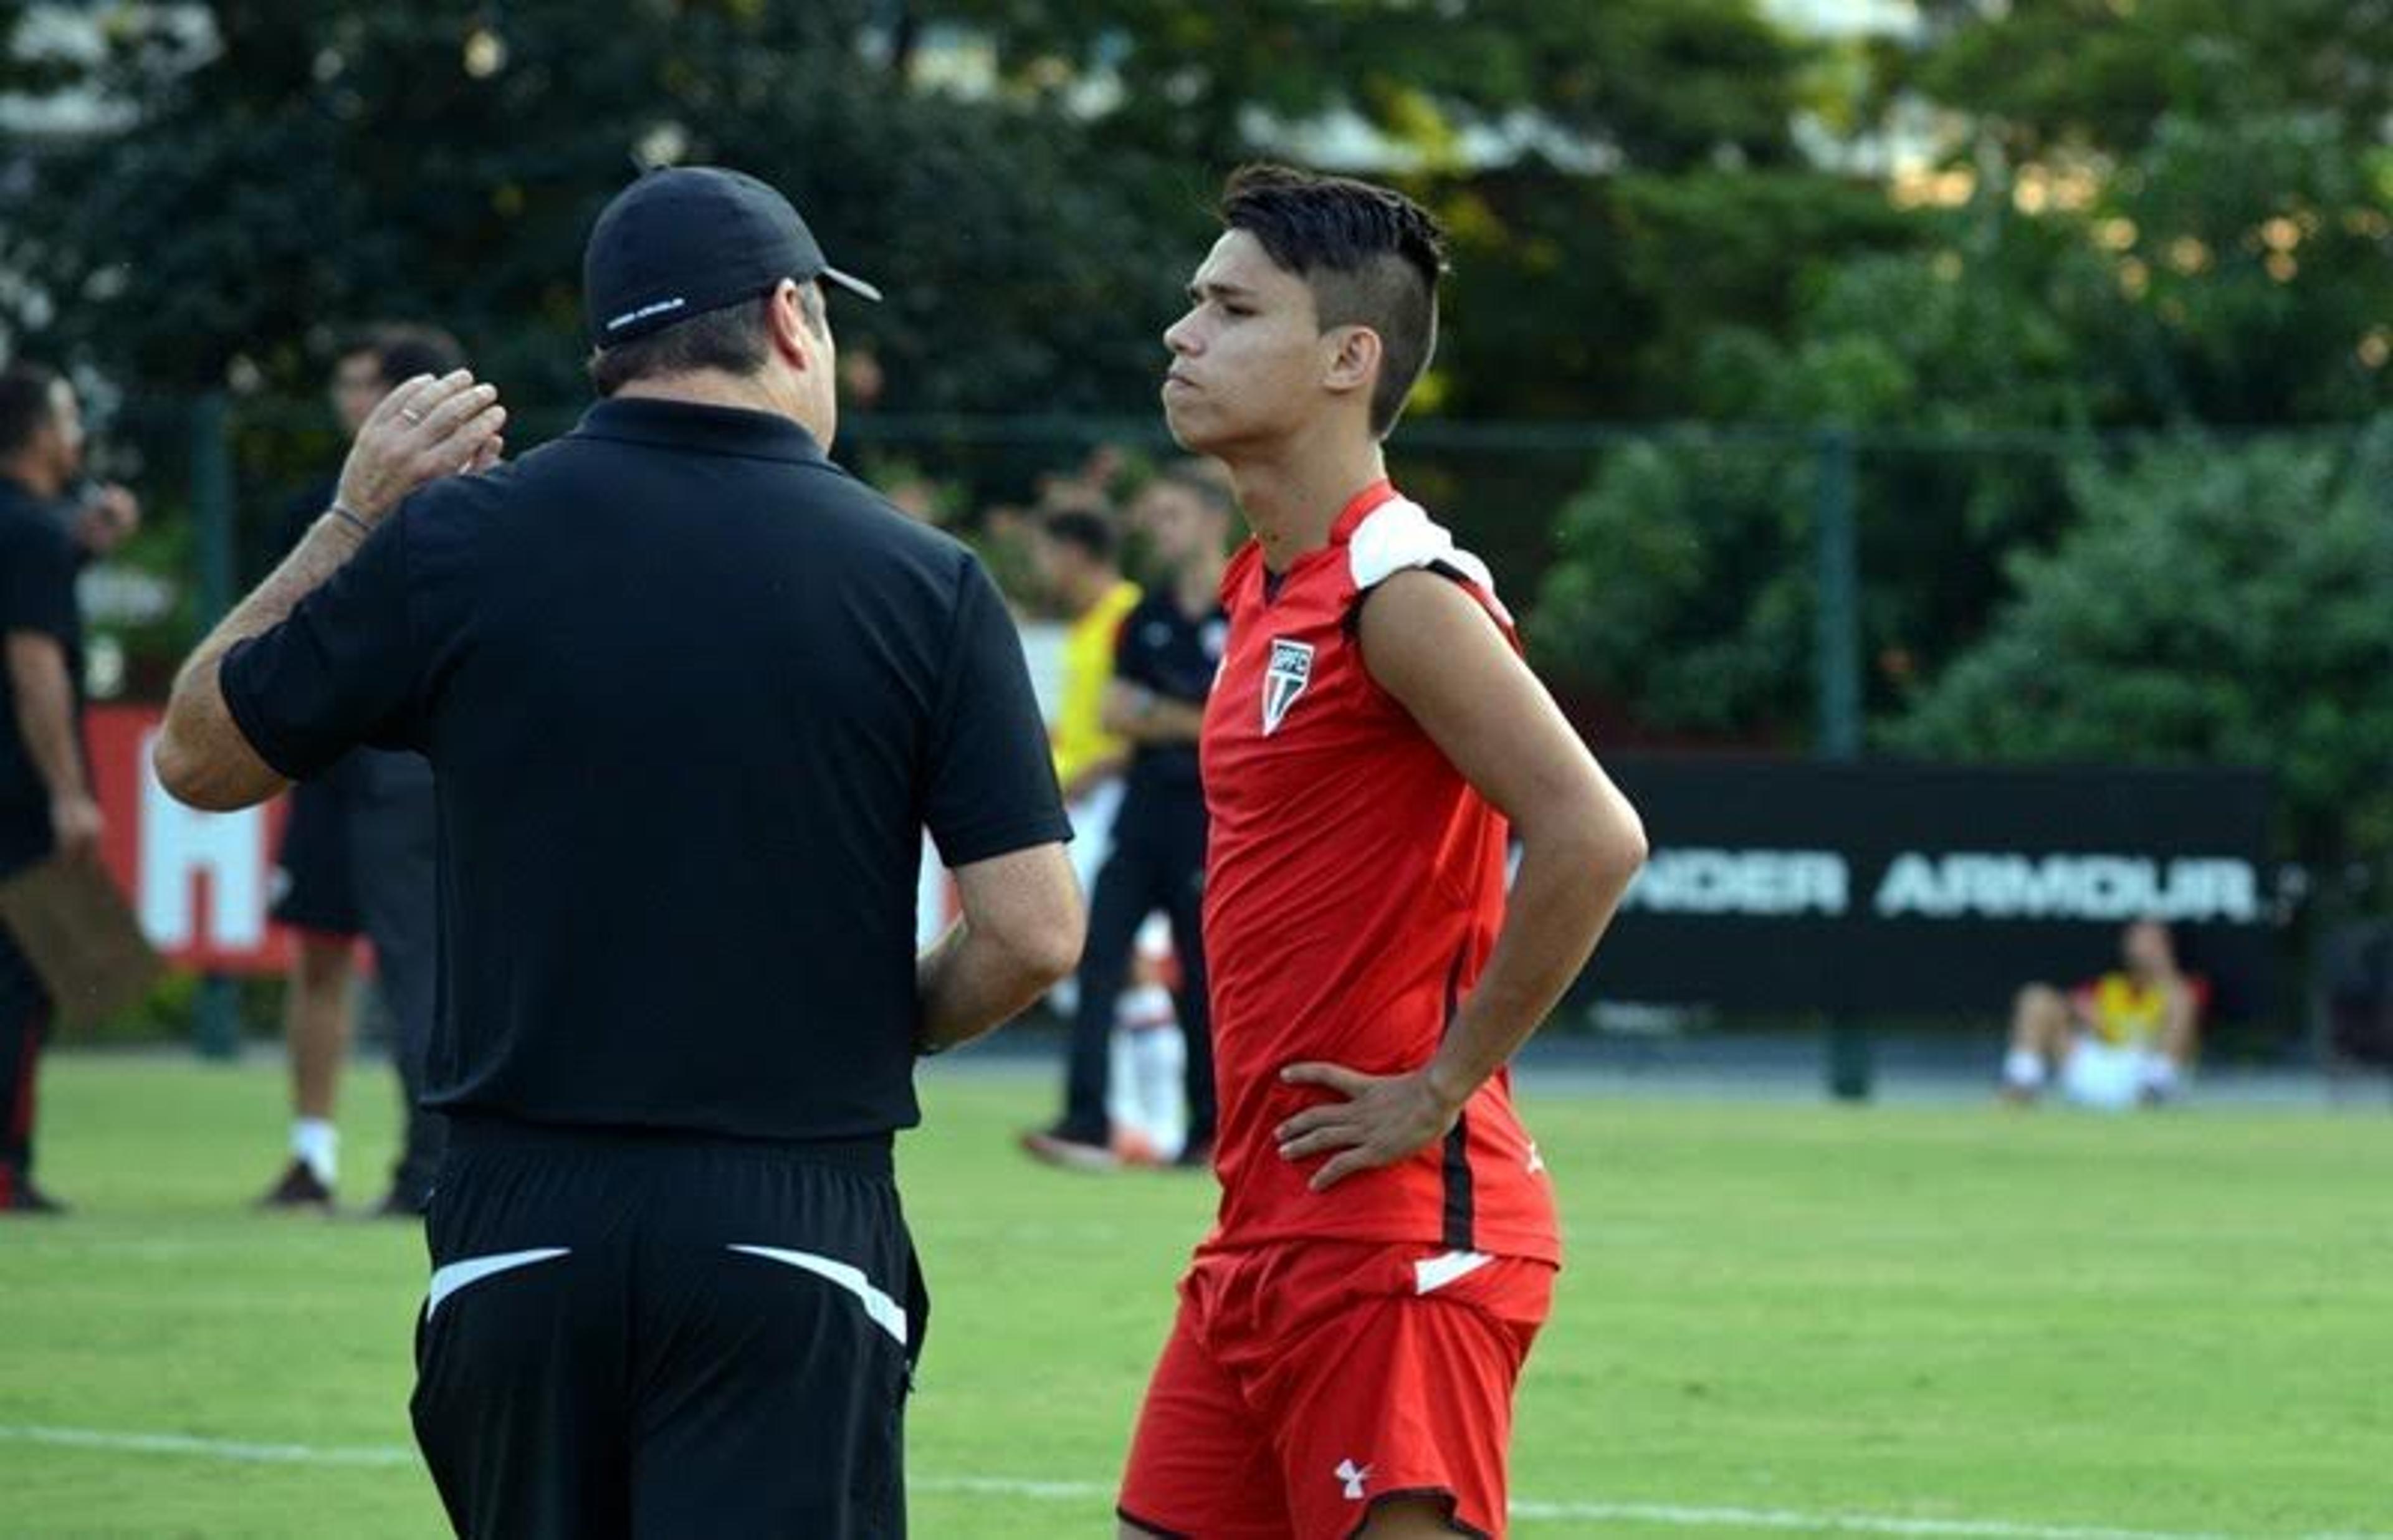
[(1350, 1334)]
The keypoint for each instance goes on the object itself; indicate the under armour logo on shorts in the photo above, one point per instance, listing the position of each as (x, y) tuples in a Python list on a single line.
[(1354, 1476)]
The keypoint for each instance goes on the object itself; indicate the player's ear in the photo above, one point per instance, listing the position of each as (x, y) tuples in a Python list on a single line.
[(1350, 358)]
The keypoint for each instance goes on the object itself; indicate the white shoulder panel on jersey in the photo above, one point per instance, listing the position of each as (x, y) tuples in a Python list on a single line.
[(1399, 536)]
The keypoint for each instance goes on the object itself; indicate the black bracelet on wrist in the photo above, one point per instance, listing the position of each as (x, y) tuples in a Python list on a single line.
[(342, 511)]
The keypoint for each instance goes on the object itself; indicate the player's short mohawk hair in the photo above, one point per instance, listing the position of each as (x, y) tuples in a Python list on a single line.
[(1371, 256)]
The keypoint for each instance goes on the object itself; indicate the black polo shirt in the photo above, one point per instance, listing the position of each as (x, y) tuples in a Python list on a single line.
[(38, 560), (1171, 653), (691, 693)]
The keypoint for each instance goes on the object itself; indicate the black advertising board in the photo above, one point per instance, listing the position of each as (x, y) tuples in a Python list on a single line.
[(1879, 886)]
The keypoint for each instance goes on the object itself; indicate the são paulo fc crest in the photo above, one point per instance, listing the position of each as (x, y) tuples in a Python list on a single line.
[(1290, 671)]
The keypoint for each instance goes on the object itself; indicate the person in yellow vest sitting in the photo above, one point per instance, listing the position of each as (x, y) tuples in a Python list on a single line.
[(2124, 1039)]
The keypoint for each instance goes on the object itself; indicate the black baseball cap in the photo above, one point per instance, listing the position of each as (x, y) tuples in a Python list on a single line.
[(685, 239)]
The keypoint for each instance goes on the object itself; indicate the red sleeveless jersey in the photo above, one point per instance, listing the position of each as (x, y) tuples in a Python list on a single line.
[(1355, 882)]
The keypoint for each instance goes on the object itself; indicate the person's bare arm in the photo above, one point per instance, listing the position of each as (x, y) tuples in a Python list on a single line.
[(1436, 650), (1139, 715), (202, 758), (1021, 932), (423, 429), (46, 720), (2180, 1027), (1094, 774)]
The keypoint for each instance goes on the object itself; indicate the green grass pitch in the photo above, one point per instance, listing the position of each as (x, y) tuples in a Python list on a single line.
[(1777, 1319)]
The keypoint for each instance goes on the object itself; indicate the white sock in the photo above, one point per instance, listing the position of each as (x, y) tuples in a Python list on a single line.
[(2161, 1077), (316, 1142), (2025, 1067), (1121, 1082)]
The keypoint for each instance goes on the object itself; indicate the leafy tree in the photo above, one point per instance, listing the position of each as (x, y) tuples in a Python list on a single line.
[(2254, 252), (1683, 586), (1671, 590), (2203, 259), (1577, 292), (2215, 601), (2047, 76), (299, 166), (1599, 297), (1657, 82), (316, 164)]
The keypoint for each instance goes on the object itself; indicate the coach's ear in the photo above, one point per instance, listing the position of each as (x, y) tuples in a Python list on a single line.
[(796, 335)]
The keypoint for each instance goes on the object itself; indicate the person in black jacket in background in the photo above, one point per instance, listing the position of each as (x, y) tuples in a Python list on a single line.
[(357, 860)]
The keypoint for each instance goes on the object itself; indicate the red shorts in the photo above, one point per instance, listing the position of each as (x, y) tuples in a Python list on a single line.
[(1307, 1381)]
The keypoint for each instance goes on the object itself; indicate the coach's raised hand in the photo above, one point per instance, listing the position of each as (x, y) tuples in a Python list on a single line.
[(426, 428)]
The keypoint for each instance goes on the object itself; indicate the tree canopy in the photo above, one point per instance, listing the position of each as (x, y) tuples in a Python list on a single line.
[(2168, 218), (329, 163), (2008, 252), (294, 166)]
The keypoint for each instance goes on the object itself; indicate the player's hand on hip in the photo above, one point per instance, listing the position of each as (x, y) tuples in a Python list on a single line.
[(423, 429), (1382, 1119)]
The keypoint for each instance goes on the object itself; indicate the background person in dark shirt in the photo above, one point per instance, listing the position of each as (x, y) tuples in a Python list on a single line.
[(357, 859), (1165, 657), (46, 799), (691, 694)]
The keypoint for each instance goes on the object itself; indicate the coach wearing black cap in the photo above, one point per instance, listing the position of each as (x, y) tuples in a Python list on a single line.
[(690, 693)]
